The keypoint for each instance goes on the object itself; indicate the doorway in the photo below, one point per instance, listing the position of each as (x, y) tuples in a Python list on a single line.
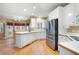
[(2, 31)]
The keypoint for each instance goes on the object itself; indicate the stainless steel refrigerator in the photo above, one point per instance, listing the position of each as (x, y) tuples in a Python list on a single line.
[(52, 34)]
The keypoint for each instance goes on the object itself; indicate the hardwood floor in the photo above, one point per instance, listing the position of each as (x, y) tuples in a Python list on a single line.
[(38, 47)]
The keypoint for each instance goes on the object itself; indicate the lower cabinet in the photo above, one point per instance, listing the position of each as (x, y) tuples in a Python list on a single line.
[(27, 38), (64, 51)]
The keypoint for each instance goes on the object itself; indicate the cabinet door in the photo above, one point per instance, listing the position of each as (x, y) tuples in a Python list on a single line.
[(54, 14), (64, 51), (77, 12), (69, 16), (77, 9)]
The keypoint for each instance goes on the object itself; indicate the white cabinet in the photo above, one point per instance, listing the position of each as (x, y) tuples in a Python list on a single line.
[(77, 12), (69, 15), (77, 9), (53, 14), (9, 32), (66, 15), (58, 13), (71, 11), (33, 23), (64, 51)]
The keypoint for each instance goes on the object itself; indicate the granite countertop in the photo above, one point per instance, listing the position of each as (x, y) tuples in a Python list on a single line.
[(70, 34), (71, 45), (27, 32)]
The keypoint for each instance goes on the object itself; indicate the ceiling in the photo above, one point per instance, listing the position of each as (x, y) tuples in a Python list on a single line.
[(26, 9)]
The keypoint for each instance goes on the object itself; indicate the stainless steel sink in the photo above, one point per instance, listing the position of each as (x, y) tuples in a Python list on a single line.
[(75, 37)]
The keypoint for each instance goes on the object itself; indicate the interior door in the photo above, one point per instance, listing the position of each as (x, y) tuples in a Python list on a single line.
[(2, 31)]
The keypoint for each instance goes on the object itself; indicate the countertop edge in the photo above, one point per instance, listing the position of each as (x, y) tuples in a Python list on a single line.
[(20, 33), (71, 50)]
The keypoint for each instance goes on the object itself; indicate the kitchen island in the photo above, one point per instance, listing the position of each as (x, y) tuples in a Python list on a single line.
[(69, 48), (70, 45), (26, 37)]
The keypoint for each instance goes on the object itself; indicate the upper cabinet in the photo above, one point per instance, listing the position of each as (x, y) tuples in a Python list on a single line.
[(54, 14), (76, 8), (69, 15), (57, 13), (77, 12)]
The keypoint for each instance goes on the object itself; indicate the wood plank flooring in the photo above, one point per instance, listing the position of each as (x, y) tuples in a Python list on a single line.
[(38, 47)]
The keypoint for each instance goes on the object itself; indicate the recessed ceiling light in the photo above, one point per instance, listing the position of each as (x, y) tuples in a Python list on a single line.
[(25, 9), (34, 7), (69, 14), (32, 13)]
